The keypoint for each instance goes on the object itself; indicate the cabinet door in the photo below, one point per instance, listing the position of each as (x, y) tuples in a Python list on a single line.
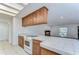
[(36, 47), (24, 21), (39, 17), (21, 41), (42, 16), (31, 19), (34, 19), (48, 52), (45, 14), (28, 21)]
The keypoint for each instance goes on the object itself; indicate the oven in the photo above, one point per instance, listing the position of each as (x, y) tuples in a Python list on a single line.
[(28, 45)]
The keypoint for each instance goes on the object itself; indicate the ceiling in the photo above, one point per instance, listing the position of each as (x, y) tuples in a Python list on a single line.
[(11, 9), (63, 13), (58, 13)]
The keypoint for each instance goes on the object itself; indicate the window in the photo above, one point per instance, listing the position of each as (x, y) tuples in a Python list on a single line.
[(63, 32)]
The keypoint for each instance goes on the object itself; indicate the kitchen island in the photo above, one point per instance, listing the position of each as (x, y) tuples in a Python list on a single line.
[(63, 46)]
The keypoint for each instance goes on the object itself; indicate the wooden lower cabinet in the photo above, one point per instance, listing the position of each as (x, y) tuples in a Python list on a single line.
[(36, 47), (47, 52), (21, 41)]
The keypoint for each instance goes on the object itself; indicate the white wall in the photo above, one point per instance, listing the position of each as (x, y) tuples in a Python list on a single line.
[(4, 31), (5, 27)]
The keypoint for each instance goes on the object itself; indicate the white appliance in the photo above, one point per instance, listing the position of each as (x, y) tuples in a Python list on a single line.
[(28, 44)]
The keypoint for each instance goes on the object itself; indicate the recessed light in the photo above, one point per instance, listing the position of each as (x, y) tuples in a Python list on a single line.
[(25, 3), (61, 17)]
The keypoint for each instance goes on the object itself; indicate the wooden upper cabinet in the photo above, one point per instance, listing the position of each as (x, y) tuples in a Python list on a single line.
[(37, 17), (34, 19)]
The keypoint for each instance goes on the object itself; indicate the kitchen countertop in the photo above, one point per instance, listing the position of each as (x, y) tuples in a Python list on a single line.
[(39, 37), (64, 46)]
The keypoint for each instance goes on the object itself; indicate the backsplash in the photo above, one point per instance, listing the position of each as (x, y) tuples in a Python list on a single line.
[(36, 30), (40, 29)]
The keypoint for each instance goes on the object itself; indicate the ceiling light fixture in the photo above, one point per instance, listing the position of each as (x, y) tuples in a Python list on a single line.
[(61, 17)]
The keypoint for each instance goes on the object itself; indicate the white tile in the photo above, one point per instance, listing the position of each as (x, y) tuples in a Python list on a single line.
[(7, 49)]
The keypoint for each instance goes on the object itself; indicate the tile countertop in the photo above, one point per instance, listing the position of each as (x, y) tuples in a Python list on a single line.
[(64, 46)]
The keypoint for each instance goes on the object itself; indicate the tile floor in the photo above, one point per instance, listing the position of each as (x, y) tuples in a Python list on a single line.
[(8, 49)]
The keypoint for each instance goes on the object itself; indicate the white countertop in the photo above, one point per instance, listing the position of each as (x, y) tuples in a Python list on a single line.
[(63, 46), (39, 37)]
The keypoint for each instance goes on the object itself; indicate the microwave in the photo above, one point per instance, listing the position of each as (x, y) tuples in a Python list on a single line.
[(47, 33)]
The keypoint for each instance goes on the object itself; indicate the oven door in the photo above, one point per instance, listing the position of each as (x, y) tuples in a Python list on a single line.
[(28, 43)]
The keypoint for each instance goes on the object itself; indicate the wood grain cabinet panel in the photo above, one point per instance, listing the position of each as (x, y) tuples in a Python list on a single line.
[(34, 19), (31, 20), (21, 41), (39, 16), (25, 21), (36, 47), (47, 52), (45, 12)]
